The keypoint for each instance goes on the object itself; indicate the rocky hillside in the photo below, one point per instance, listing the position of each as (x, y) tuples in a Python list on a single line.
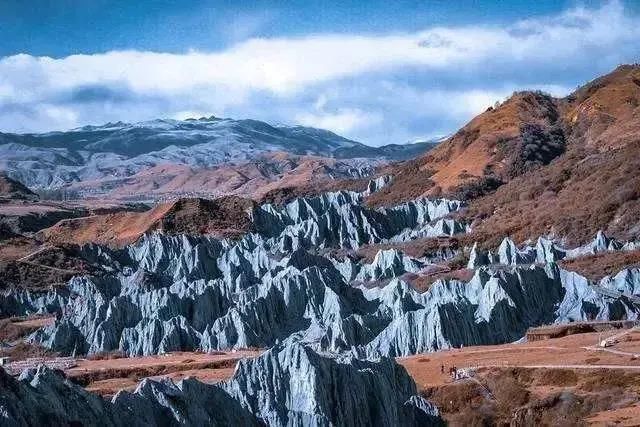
[(576, 156), (292, 284), (283, 282), (322, 282)]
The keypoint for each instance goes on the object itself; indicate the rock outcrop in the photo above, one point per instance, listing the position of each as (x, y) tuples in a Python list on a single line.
[(498, 306), (339, 219), (544, 251), (294, 385), (288, 385), (388, 264), (179, 293)]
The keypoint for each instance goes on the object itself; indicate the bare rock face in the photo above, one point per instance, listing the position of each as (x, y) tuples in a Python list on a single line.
[(544, 251), (288, 385), (258, 301), (387, 264), (340, 219), (178, 292), (294, 385), (45, 397), (498, 306)]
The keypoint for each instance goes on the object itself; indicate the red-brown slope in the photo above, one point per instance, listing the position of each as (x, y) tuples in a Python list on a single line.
[(594, 185), (491, 144), (569, 166), (604, 114), (574, 197), (224, 217)]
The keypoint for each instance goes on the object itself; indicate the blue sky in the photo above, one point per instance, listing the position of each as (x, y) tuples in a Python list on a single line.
[(379, 72)]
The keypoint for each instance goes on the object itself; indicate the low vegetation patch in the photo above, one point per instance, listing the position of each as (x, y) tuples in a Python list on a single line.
[(518, 396), (23, 350), (107, 355), (595, 267)]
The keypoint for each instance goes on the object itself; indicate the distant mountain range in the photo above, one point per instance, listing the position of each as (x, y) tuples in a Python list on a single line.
[(119, 150)]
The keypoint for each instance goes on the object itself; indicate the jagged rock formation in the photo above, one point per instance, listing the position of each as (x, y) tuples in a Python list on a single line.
[(387, 264), (288, 385), (339, 219), (499, 306), (377, 184), (180, 293), (18, 302), (545, 250), (46, 397), (294, 385)]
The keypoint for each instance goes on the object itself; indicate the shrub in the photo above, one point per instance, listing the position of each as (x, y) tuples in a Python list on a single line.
[(537, 147), (477, 188)]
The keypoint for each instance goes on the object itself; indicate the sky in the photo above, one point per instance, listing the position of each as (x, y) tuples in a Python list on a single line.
[(375, 71)]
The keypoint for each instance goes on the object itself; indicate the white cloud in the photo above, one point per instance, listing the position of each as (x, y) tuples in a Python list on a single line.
[(344, 121), (459, 71)]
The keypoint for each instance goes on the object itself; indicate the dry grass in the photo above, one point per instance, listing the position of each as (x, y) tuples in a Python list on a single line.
[(23, 350), (485, 146), (423, 283), (601, 380), (594, 184), (534, 396), (556, 377), (574, 197), (223, 217), (597, 266), (139, 372), (107, 355), (9, 331), (418, 248)]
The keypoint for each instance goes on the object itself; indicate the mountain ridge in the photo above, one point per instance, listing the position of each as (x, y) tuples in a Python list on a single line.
[(102, 157), (578, 153)]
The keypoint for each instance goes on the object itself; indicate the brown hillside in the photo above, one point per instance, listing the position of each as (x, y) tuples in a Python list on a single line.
[(224, 217), (492, 144), (569, 166), (604, 113), (12, 189)]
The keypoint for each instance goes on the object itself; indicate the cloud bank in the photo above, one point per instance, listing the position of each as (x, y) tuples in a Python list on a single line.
[(382, 88)]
